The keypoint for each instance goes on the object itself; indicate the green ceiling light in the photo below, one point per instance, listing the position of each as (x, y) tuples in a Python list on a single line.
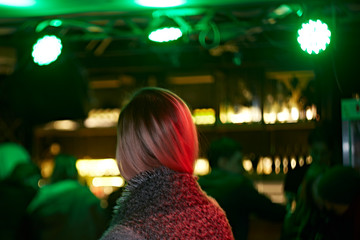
[(165, 34), (160, 3), (46, 50), (314, 36), (56, 23), (18, 3)]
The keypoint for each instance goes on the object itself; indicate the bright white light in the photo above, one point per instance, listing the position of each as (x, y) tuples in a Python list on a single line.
[(46, 50), (284, 115), (202, 167), (97, 167), (18, 3), (160, 3), (165, 34), (293, 163), (270, 117), (295, 114), (309, 114), (314, 36), (108, 182), (255, 114)]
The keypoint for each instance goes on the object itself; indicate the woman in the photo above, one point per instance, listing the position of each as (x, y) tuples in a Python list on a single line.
[(156, 149)]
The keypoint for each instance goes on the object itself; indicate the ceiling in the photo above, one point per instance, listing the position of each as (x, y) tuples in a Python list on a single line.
[(109, 37)]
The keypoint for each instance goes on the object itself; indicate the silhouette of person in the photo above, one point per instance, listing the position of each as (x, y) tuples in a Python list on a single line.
[(234, 191), (17, 190), (303, 221), (65, 209), (337, 195)]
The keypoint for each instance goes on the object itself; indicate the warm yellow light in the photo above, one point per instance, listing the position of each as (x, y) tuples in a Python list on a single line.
[(301, 161), (205, 116), (308, 159), (270, 118), (47, 167), (285, 164), (259, 167), (97, 167), (241, 115), (55, 149), (102, 118), (247, 165), (62, 125), (202, 167), (277, 163), (244, 115), (108, 182), (267, 165), (293, 162), (284, 115), (223, 113)]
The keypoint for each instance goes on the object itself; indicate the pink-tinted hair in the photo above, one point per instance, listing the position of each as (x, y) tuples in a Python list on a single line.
[(156, 129)]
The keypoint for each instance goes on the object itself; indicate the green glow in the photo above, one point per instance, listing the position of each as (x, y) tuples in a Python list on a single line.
[(165, 34), (314, 36), (299, 12), (55, 23), (18, 3), (160, 3), (46, 50)]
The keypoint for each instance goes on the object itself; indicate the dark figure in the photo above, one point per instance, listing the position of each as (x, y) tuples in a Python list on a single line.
[(302, 221), (65, 209), (156, 150), (111, 202), (337, 195), (16, 191), (234, 191)]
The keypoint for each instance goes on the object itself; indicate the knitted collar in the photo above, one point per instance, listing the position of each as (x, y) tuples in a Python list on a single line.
[(164, 204), (140, 183)]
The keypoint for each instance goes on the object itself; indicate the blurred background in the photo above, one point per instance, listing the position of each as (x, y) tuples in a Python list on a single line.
[(247, 70)]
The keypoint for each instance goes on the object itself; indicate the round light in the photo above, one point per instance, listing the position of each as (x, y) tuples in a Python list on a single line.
[(160, 3), (46, 50), (165, 34), (314, 36)]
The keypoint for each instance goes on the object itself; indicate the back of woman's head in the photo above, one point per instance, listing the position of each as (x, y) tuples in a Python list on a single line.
[(156, 129)]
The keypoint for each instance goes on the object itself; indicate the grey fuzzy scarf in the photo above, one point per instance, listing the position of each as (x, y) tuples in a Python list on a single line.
[(163, 204)]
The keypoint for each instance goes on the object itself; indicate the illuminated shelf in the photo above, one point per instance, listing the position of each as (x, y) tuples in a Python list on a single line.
[(81, 132), (257, 127), (111, 131)]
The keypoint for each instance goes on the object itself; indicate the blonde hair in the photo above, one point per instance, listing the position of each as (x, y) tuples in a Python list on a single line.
[(156, 129)]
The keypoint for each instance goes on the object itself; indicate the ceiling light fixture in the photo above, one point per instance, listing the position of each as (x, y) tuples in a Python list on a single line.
[(314, 36), (165, 34), (46, 50), (160, 3), (18, 3)]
